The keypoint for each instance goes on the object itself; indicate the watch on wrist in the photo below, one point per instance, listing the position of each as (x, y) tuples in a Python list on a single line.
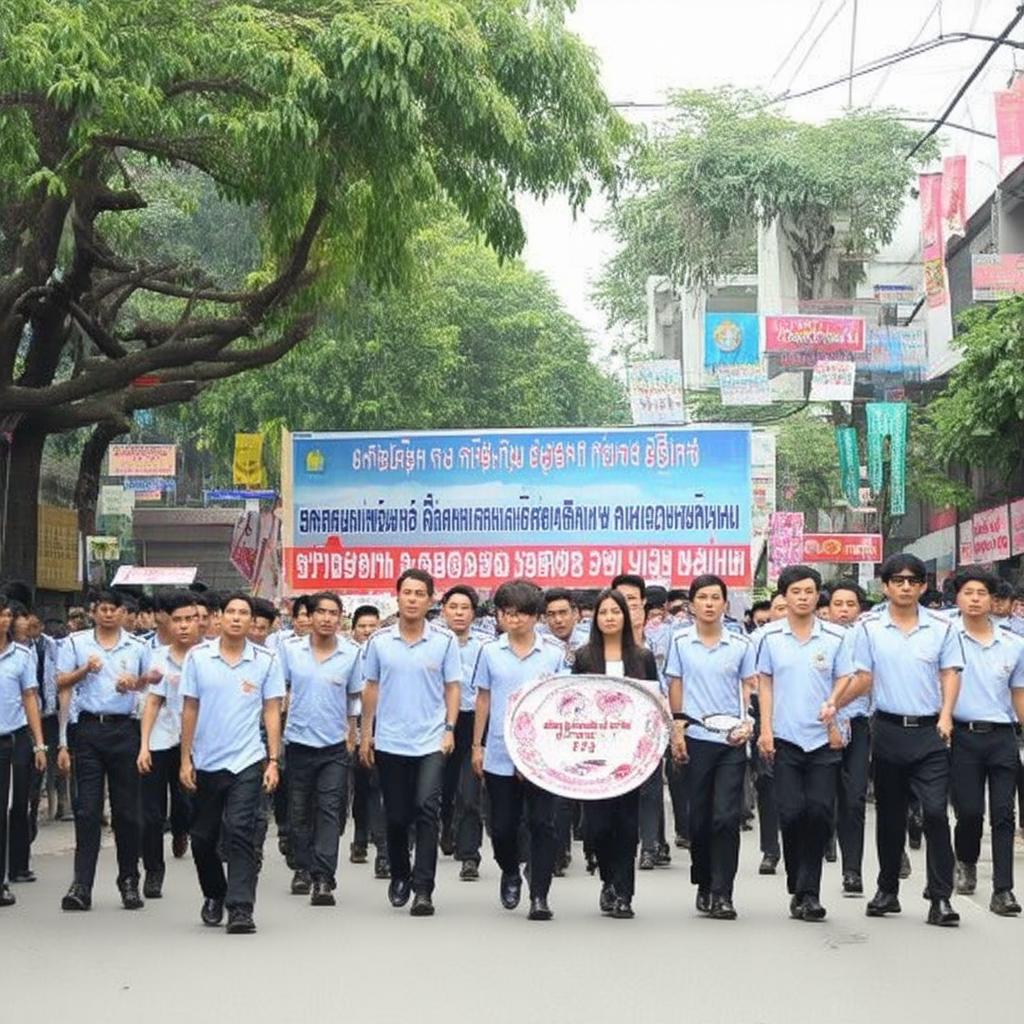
[(448, 727), (39, 749)]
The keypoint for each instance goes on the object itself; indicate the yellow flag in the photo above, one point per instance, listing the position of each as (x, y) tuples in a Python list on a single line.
[(247, 470)]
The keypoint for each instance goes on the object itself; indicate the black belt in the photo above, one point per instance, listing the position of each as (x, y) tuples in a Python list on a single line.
[(907, 721), (984, 726), (89, 716)]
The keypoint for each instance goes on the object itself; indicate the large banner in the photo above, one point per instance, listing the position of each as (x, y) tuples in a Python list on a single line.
[(561, 507), (990, 530), (57, 556), (1010, 128), (996, 276), (801, 340), (656, 392), (142, 460)]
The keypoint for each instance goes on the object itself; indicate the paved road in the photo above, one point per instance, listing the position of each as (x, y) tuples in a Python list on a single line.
[(474, 962)]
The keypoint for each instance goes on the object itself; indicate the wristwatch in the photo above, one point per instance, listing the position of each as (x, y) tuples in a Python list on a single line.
[(448, 727), (40, 749)]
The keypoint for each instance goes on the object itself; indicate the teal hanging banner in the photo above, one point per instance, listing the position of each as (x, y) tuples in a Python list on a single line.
[(849, 464), (888, 420)]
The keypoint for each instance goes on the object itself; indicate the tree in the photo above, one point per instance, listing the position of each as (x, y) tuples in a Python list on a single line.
[(336, 120), (468, 342), (728, 163)]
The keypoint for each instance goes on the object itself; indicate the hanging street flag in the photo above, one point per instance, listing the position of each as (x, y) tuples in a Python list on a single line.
[(801, 341), (247, 466), (833, 381), (888, 420), (1010, 128), (744, 385), (899, 350), (656, 392), (932, 253), (954, 195), (731, 339), (965, 548), (849, 464)]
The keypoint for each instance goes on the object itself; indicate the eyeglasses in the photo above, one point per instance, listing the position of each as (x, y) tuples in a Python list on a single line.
[(910, 581)]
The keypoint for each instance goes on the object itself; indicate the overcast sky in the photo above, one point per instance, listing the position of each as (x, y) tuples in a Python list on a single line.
[(649, 47)]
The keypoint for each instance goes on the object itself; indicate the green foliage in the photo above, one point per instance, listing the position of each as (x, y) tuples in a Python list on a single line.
[(730, 162)]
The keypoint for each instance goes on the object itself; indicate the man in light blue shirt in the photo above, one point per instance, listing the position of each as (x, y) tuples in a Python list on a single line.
[(910, 659), (711, 670), (461, 821), (103, 666), (323, 672), (228, 684), (799, 660), (411, 695), (987, 710), (505, 665), (22, 749)]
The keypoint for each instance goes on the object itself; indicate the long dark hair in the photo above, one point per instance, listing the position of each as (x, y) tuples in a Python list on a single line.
[(593, 650)]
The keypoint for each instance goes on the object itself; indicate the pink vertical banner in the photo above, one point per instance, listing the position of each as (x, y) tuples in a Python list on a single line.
[(1010, 129), (785, 542), (1017, 527), (932, 255), (954, 195)]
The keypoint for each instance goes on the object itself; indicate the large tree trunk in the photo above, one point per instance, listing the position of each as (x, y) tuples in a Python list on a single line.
[(20, 466), (90, 464)]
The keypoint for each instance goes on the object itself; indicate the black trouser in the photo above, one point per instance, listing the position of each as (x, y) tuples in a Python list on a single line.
[(805, 788), (612, 832), (853, 794), (469, 826), (107, 751), (162, 780), (508, 795), (318, 782), (679, 792), (55, 785), (411, 788), (368, 808), (905, 761), (716, 772), (229, 801), (764, 786), (16, 769), (979, 757), (652, 812), (453, 768)]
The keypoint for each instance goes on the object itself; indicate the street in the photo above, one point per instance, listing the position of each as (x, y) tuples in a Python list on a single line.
[(474, 961)]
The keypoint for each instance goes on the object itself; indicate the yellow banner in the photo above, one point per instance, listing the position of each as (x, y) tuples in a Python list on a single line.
[(57, 566), (247, 470)]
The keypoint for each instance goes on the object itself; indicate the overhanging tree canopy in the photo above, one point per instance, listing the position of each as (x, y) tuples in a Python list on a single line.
[(335, 119)]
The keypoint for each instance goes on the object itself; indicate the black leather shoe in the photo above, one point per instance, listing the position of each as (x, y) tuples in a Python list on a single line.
[(381, 867), (663, 856), (179, 845), (883, 903), (703, 901), (510, 891), (422, 905), (592, 863), (1004, 903), (722, 908), (796, 908), (212, 912), (301, 883), (7, 898), (78, 897), (830, 851), (623, 909), (357, 853), (647, 861), (966, 878), (682, 842), (23, 876), (853, 884), (904, 865), (942, 914), (153, 886), (240, 922), (130, 898), (469, 872), (606, 901), (321, 894), (812, 909), (769, 862), (539, 909), (399, 891), (447, 842)]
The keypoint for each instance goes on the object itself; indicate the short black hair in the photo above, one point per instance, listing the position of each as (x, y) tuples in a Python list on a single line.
[(305, 601), (629, 579), (761, 606), (239, 595), (421, 575), (553, 594), (847, 584), (519, 596), (975, 574), (310, 601), (171, 602), (824, 597), (586, 599), (1004, 590), (109, 597), (676, 594), (17, 590), (263, 609), (364, 611), (146, 603), (903, 562), (708, 580), (466, 591), (797, 574), (657, 596), (209, 600)]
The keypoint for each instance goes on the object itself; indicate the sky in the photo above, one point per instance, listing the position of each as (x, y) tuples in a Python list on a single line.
[(647, 48)]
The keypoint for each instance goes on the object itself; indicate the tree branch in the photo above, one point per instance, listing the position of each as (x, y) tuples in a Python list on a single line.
[(226, 85)]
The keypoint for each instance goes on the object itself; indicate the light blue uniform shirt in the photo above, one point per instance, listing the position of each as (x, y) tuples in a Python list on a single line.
[(323, 693), (467, 655), (501, 671), (711, 676), (990, 672), (803, 674), (17, 676), (166, 732), (97, 692), (411, 681), (861, 707), (230, 704), (905, 667)]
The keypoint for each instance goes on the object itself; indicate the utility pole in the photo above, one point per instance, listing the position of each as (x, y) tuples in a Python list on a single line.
[(853, 51)]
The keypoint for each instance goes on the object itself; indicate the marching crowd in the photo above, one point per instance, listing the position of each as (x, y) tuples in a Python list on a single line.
[(204, 716)]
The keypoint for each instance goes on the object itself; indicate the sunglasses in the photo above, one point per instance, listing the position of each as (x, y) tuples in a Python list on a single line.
[(910, 581)]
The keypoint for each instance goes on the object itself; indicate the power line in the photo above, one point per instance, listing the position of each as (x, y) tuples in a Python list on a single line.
[(913, 42), (814, 44), (989, 54), (800, 39)]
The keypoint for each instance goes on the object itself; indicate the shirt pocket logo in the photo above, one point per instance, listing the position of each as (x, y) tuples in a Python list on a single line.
[(248, 688)]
